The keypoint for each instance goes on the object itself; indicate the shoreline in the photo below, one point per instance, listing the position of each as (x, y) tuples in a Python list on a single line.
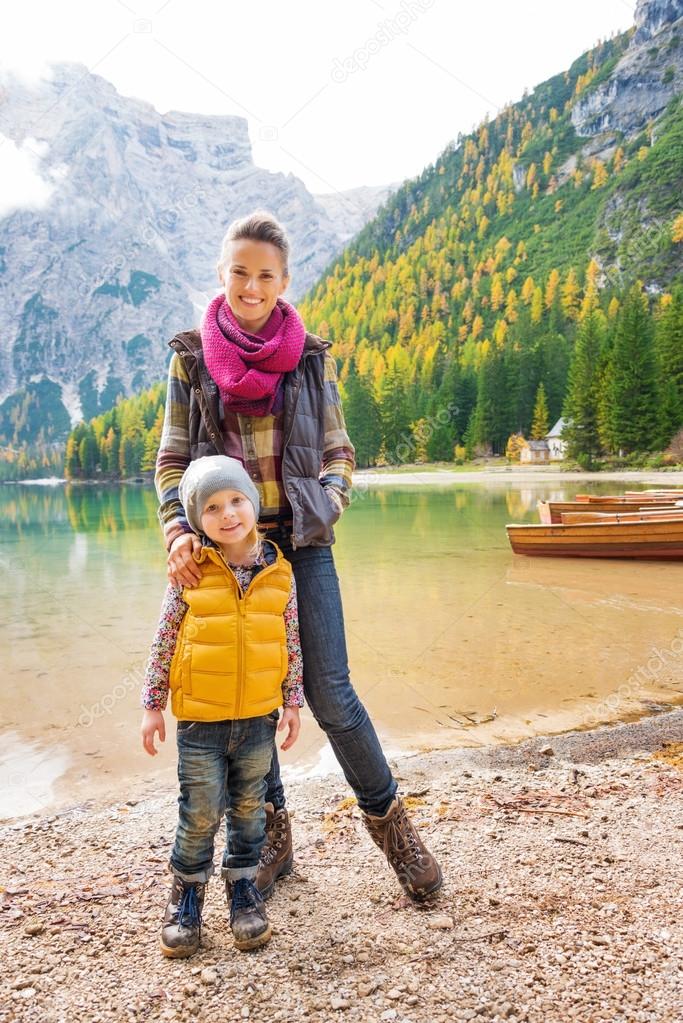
[(430, 474), (507, 474), (562, 899)]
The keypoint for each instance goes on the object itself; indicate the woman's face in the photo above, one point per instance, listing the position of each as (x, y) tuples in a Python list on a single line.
[(253, 279)]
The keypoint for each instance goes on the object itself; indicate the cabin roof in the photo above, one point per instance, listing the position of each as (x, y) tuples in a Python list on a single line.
[(557, 428)]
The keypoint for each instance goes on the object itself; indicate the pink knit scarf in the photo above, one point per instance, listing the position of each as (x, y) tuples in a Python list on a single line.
[(249, 368)]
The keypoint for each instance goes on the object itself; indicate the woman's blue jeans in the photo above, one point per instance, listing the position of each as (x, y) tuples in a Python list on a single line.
[(329, 692), (222, 766)]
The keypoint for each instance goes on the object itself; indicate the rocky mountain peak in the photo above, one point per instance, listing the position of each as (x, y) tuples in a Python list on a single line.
[(647, 77), (122, 254), (652, 15)]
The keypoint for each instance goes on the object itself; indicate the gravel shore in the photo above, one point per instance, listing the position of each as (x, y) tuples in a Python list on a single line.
[(563, 899)]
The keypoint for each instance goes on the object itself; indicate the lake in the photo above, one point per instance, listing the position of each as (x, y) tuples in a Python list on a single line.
[(453, 640)]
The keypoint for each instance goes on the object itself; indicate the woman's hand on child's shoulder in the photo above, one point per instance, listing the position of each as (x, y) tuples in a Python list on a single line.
[(152, 721), (290, 720), (182, 569)]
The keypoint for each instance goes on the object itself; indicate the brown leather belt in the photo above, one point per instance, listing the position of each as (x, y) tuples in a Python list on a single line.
[(273, 524)]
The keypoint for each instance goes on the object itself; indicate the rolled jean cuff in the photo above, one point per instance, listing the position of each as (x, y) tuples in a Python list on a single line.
[(201, 876), (235, 873)]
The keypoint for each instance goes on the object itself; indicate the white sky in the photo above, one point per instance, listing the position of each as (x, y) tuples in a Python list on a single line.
[(320, 103)]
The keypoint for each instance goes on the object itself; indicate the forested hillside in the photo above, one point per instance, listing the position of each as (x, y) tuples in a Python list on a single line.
[(532, 271), (471, 287)]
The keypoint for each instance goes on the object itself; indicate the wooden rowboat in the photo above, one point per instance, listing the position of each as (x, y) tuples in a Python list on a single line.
[(639, 515), (655, 539), (644, 497), (551, 511)]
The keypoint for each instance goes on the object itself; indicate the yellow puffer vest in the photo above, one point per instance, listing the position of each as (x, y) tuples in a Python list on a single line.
[(231, 653)]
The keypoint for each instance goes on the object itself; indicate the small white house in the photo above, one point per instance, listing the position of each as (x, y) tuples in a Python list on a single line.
[(535, 452), (557, 447)]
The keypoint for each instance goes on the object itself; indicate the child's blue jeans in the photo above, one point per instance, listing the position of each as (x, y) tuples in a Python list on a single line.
[(222, 767)]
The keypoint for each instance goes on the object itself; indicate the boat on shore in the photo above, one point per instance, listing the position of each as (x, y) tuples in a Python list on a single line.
[(638, 515), (550, 512), (655, 538)]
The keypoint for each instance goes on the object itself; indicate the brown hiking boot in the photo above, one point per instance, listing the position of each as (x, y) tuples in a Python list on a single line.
[(395, 834), (248, 919), (277, 858), (182, 925)]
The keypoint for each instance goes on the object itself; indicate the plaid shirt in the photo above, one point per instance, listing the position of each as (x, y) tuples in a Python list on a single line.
[(257, 442)]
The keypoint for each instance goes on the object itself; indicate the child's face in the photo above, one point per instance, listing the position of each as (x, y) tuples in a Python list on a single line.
[(228, 517)]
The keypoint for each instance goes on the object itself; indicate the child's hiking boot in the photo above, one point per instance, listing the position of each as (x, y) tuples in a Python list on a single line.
[(276, 855), (248, 920), (395, 834), (182, 926)]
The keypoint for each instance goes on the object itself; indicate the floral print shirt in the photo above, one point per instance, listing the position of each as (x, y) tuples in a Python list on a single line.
[(173, 609)]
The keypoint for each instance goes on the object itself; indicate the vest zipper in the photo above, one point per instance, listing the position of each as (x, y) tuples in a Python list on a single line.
[(239, 695), (239, 702), (241, 604)]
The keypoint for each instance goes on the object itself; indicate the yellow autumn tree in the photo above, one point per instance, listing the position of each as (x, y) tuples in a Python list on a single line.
[(497, 292), (477, 327), (677, 230), (528, 290), (592, 274), (600, 175), (551, 287), (570, 295), (500, 331)]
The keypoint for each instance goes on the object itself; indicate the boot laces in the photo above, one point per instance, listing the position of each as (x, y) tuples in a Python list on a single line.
[(188, 907), (274, 836), (401, 840), (245, 895)]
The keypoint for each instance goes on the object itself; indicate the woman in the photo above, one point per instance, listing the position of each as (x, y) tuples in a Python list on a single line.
[(253, 384)]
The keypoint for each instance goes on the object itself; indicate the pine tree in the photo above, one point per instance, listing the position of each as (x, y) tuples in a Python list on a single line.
[(88, 452), (632, 391), (443, 415), (362, 416), (491, 417), (72, 464), (395, 417), (539, 426), (151, 443), (581, 404), (669, 352)]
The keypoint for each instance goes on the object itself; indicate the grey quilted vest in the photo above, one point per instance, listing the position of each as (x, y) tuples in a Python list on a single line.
[(313, 514)]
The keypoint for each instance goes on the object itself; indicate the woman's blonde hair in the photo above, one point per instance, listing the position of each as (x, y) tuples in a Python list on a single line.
[(259, 226)]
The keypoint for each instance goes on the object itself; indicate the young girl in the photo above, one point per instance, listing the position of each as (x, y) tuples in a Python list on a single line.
[(229, 649)]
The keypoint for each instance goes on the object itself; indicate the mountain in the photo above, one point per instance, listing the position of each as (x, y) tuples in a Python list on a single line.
[(122, 253), (350, 210), (469, 287)]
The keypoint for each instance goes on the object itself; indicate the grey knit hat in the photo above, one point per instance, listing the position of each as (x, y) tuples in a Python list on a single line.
[(206, 476)]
